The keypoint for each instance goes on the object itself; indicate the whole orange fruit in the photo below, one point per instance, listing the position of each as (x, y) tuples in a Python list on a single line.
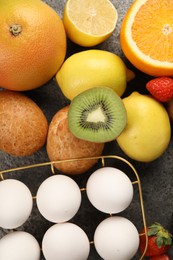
[(32, 44)]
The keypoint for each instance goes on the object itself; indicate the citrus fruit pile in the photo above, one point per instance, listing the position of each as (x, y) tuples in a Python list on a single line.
[(34, 51)]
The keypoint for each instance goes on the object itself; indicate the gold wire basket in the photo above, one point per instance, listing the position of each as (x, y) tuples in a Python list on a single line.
[(102, 158)]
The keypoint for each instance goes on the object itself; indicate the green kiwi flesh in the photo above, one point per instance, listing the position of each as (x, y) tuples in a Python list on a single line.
[(97, 115)]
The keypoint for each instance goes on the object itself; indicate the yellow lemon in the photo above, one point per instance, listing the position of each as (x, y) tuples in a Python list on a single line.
[(89, 22), (148, 130), (92, 68)]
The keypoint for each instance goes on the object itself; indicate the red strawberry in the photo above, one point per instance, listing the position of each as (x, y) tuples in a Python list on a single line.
[(159, 240), (161, 88), (160, 257)]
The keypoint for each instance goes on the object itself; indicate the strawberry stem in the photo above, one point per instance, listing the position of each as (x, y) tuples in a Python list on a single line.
[(163, 237)]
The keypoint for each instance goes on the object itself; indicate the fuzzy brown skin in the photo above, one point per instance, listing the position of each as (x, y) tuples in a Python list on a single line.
[(23, 126), (62, 144)]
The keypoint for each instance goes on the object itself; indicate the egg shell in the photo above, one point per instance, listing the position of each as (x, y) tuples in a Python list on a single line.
[(116, 238), (65, 241), (19, 245), (62, 144), (109, 190), (23, 126), (58, 198), (16, 203)]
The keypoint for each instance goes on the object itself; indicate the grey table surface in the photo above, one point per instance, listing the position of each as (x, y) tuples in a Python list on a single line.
[(156, 177)]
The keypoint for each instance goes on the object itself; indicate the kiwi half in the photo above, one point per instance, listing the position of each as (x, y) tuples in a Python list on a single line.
[(97, 115)]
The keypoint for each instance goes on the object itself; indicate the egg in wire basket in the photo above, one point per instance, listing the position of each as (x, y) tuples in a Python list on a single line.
[(77, 237)]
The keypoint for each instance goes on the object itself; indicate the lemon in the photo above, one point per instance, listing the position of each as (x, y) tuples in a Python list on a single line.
[(92, 68), (148, 130), (89, 22)]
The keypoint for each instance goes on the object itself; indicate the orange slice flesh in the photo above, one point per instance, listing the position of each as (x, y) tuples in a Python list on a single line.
[(146, 36)]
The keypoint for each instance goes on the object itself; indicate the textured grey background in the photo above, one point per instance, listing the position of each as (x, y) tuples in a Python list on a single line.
[(156, 177)]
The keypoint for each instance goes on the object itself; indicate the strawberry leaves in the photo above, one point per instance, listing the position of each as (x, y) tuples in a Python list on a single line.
[(163, 237), (159, 240)]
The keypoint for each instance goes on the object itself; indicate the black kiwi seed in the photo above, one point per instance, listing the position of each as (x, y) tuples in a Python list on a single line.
[(97, 115)]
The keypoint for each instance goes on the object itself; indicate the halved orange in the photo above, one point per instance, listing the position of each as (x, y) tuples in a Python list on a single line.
[(146, 36), (88, 22)]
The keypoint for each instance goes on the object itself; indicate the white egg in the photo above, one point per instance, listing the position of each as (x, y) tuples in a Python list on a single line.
[(65, 241), (19, 245), (58, 198), (16, 203), (116, 238), (109, 190)]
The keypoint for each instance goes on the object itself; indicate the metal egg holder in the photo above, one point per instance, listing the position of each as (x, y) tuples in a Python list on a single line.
[(102, 158)]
